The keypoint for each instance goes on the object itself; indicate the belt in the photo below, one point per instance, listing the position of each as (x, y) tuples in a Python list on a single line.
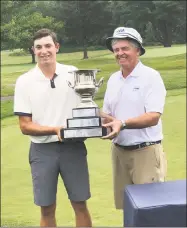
[(138, 146)]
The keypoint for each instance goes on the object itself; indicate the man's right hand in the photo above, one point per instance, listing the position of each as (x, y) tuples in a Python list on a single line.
[(58, 132)]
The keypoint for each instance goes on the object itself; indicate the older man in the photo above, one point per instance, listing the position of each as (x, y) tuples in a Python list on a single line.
[(135, 98)]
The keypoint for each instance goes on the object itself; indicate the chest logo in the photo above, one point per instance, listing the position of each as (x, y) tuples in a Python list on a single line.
[(136, 88)]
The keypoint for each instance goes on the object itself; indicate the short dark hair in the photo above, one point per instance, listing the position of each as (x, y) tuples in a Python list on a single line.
[(43, 33)]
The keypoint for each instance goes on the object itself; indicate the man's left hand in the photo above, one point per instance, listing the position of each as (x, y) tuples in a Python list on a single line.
[(116, 127)]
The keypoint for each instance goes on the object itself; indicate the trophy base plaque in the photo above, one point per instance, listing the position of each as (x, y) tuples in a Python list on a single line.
[(84, 132), (85, 112), (86, 123)]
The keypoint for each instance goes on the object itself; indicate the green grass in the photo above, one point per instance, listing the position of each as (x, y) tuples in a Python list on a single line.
[(6, 109), (171, 63), (18, 208), (16, 190)]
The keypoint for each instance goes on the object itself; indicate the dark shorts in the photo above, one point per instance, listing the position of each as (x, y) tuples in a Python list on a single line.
[(48, 160)]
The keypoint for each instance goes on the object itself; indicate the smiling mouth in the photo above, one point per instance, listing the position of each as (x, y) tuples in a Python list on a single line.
[(122, 57)]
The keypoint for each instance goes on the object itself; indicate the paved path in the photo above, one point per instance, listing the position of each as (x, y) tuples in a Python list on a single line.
[(7, 98)]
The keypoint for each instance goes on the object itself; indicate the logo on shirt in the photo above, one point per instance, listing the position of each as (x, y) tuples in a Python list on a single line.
[(136, 88)]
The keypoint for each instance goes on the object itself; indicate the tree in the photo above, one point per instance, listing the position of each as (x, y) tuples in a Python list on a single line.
[(21, 28), (12, 8), (165, 17), (84, 21), (8, 10)]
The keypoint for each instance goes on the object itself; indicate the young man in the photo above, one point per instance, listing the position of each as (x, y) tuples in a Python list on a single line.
[(43, 102), (135, 98)]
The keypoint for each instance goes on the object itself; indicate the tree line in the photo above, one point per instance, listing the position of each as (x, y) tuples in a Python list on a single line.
[(88, 23)]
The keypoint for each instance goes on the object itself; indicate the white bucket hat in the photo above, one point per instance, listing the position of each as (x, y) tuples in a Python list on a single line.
[(122, 33)]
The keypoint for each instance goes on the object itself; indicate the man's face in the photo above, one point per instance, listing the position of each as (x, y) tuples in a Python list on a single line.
[(125, 53), (45, 50)]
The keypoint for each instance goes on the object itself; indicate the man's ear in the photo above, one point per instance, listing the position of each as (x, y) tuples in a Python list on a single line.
[(139, 52), (57, 45)]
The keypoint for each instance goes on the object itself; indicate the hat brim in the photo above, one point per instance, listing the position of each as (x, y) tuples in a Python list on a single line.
[(109, 46)]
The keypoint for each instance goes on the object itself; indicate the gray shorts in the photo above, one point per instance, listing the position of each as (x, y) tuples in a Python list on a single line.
[(48, 160)]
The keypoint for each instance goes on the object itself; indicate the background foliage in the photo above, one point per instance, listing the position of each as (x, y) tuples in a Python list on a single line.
[(81, 24)]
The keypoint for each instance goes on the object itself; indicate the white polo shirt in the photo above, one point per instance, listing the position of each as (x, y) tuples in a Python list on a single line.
[(142, 91), (48, 106)]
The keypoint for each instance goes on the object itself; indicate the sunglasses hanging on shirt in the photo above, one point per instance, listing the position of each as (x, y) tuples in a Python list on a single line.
[(52, 81)]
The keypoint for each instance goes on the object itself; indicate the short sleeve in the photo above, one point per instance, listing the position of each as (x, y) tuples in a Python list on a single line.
[(106, 104), (155, 95), (22, 106)]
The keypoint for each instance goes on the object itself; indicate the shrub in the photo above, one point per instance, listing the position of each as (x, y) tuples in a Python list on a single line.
[(19, 53)]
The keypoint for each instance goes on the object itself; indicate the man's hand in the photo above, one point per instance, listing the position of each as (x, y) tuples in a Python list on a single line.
[(116, 127), (58, 130), (106, 118)]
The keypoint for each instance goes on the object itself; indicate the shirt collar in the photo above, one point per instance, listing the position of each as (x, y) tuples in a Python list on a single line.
[(58, 69), (136, 71), (41, 75)]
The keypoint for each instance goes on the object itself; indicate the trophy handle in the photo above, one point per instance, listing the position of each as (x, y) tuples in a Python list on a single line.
[(70, 85), (100, 82)]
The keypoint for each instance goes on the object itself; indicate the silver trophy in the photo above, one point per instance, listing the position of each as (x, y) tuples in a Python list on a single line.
[(86, 121)]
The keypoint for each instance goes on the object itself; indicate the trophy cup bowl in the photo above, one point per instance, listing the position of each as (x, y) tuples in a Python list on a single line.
[(86, 121), (85, 86)]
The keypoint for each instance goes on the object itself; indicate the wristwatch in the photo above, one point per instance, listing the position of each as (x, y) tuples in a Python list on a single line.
[(123, 125)]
